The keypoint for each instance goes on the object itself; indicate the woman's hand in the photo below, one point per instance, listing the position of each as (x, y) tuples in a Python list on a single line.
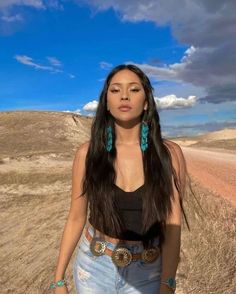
[(61, 290)]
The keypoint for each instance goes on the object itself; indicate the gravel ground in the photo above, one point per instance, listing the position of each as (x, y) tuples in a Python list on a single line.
[(215, 170)]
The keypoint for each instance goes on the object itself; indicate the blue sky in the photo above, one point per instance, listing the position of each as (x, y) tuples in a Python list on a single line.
[(54, 55)]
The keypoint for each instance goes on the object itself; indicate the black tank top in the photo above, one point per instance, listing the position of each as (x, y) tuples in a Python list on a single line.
[(129, 205)]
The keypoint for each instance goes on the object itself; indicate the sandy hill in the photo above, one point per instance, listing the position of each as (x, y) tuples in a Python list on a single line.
[(29, 133), (223, 139), (224, 134)]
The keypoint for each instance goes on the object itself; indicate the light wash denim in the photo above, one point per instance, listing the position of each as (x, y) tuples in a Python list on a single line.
[(98, 274)]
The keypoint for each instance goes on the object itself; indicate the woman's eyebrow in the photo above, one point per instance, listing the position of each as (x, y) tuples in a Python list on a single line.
[(128, 83)]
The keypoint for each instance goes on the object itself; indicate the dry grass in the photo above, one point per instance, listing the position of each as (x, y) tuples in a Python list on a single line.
[(208, 251), (14, 177)]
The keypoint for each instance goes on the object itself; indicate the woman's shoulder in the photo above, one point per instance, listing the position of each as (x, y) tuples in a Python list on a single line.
[(172, 146), (175, 151), (83, 148), (81, 151)]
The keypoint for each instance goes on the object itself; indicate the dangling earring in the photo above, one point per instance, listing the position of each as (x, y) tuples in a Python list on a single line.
[(109, 138), (144, 135)]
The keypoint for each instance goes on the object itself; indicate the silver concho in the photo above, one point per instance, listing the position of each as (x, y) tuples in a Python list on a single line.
[(151, 254), (97, 246), (121, 256)]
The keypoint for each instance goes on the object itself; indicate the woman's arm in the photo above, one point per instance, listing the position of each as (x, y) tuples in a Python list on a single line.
[(171, 246), (77, 214)]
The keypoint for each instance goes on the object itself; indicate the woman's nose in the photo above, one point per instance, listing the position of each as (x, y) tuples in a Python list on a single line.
[(124, 95)]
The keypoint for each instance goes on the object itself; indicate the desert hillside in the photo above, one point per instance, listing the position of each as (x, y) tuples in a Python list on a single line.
[(223, 139), (30, 133), (36, 154)]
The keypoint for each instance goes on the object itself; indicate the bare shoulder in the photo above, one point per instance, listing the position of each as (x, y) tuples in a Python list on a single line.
[(172, 146), (176, 152), (84, 146), (80, 156), (83, 149)]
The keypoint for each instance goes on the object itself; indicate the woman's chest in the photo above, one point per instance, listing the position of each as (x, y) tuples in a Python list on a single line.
[(129, 169)]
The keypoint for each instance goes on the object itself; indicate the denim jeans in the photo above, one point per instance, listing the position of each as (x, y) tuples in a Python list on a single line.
[(98, 274)]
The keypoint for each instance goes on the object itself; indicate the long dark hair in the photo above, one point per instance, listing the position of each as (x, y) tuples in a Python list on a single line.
[(100, 174)]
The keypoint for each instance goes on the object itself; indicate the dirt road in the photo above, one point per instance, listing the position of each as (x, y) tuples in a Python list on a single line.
[(215, 170)]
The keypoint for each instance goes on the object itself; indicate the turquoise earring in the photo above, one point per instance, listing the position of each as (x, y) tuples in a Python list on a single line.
[(109, 139), (144, 135)]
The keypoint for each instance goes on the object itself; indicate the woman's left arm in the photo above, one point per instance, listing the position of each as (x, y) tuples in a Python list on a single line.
[(171, 246)]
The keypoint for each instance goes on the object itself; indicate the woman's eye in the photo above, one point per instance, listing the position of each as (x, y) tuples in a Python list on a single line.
[(116, 90)]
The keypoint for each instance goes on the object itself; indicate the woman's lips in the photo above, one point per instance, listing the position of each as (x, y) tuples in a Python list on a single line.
[(124, 108)]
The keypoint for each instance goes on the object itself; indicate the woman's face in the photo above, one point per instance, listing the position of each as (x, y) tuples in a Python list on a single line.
[(126, 88)]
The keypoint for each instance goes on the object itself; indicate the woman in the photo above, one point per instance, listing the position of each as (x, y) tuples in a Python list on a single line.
[(134, 182)]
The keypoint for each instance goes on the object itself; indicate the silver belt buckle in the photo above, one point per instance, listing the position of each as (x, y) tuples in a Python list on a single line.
[(121, 256), (97, 246), (151, 254)]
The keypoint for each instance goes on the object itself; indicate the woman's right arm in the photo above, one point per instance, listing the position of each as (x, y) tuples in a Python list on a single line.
[(77, 214)]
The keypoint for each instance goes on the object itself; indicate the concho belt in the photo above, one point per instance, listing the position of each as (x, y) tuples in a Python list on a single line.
[(121, 256)]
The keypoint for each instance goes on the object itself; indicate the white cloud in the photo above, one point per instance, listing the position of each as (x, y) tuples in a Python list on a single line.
[(24, 59), (190, 51), (73, 111), (167, 72), (55, 4), (53, 68), (12, 18), (91, 106), (54, 61), (105, 65), (77, 111), (38, 4), (33, 3), (173, 102), (91, 114), (71, 76)]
